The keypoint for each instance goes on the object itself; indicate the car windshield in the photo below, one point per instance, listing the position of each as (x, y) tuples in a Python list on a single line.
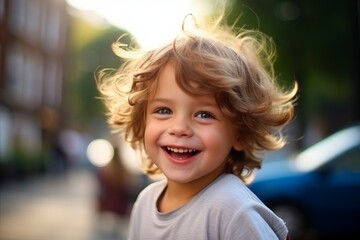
[(327, 149)]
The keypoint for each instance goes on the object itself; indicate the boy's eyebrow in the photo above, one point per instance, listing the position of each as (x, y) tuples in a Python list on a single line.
[(160, 100)]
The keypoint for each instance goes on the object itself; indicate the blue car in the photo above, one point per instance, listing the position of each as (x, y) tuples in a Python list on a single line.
[(317, 192)]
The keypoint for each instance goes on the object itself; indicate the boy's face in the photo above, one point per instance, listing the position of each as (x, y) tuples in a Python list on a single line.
[(187, 137)]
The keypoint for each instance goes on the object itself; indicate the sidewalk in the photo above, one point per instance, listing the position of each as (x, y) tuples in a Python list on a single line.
[(55, 208)]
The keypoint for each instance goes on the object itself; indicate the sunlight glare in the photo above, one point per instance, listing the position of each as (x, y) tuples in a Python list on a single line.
[(100, 152), (152, 23)]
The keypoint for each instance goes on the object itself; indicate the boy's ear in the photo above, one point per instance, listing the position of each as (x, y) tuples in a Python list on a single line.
[(238, 145)]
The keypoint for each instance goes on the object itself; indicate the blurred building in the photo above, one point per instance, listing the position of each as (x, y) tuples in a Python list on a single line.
[(33, 36)]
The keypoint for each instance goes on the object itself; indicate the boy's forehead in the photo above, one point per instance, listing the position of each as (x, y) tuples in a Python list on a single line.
[(168, 74), (166, 82)]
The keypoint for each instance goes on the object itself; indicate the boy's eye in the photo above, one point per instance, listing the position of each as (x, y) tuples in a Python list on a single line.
[(204, 115), (163, 111)]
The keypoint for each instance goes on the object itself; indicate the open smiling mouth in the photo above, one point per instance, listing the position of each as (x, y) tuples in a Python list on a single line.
[(181, 153)]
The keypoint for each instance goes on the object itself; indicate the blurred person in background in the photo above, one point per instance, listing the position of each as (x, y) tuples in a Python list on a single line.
[(118, 189)]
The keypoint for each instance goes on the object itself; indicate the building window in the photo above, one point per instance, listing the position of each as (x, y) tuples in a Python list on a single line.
[(14, 72), (17, 16)]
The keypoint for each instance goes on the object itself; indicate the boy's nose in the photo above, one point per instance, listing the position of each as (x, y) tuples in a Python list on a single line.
[(180, 128)]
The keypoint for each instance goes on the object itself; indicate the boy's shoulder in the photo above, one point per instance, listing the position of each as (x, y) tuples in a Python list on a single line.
[(231, 190), (228, 183)]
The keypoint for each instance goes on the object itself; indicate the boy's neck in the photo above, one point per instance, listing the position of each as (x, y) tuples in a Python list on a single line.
[(177, 194)]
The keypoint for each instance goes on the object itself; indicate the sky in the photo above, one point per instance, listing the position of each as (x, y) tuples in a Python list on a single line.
[(152, 22)]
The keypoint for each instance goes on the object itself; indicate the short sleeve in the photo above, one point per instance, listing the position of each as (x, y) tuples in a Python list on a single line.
[(256, 222)]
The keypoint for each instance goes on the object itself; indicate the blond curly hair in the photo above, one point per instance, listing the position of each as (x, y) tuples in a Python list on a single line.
[(235, 66)]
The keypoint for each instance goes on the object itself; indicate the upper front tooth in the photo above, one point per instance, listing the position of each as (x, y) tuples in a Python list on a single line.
[(179, 150)]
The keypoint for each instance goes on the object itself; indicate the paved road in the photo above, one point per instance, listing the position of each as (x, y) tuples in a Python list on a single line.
[(55, 208)]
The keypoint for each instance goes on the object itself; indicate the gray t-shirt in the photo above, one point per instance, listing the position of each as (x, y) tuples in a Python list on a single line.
[(224, 210)]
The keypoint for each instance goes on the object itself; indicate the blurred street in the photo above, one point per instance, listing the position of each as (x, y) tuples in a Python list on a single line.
[(55, 207)]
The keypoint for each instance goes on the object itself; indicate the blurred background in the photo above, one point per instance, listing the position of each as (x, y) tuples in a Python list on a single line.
[(63, 175)]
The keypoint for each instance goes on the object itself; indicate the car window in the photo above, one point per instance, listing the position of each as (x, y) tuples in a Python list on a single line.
[(348, 161), (323, 154)]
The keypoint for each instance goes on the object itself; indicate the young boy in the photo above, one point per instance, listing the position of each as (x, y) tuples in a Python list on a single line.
[(201, 108)]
